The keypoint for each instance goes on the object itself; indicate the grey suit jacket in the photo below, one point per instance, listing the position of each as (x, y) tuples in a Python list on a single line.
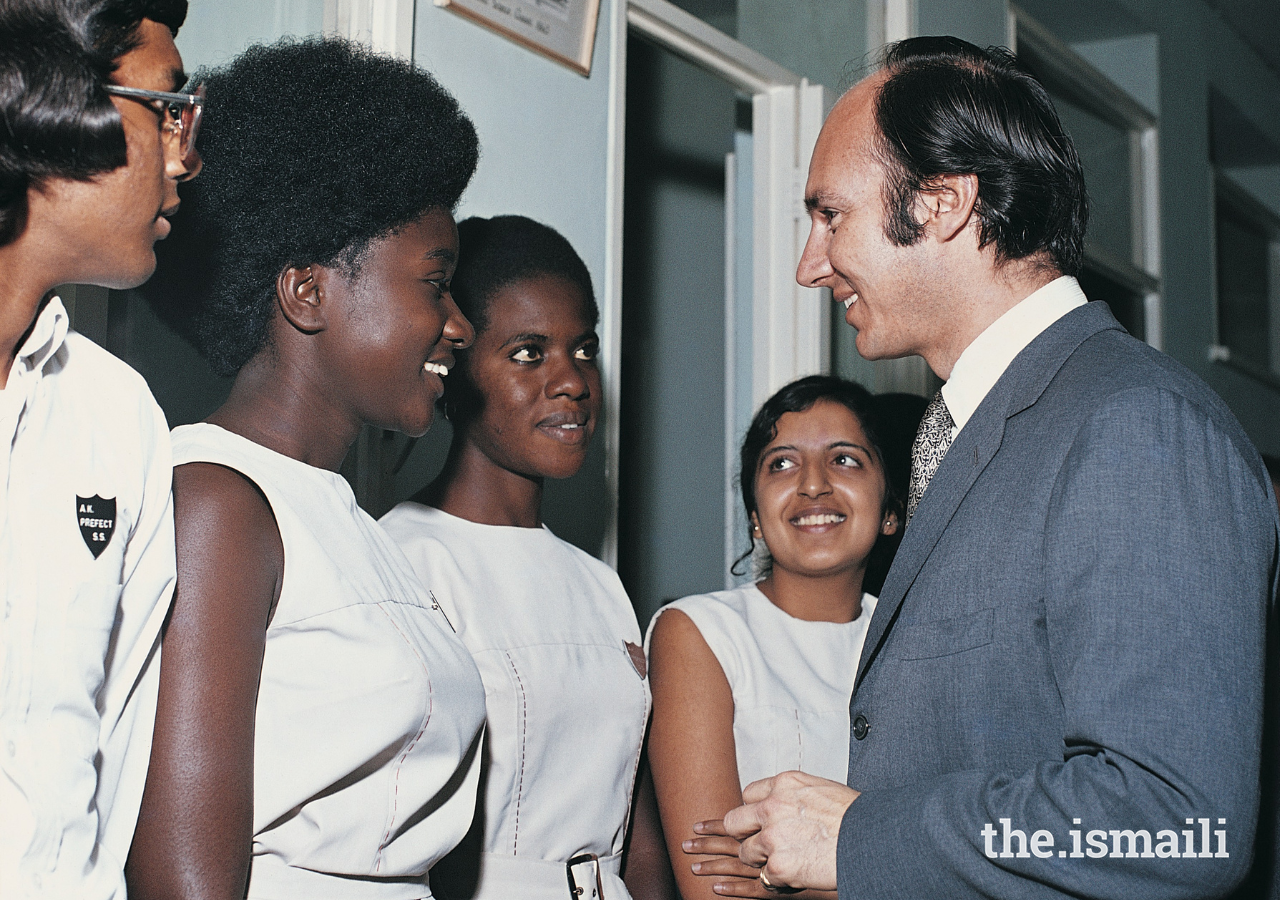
[(1073, 629)]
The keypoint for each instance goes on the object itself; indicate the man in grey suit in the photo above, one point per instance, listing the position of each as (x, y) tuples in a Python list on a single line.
[(1062, 689)]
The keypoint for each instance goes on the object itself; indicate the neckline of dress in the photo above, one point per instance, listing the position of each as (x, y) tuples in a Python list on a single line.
[(333, 478), (435, 510), (864, 617)]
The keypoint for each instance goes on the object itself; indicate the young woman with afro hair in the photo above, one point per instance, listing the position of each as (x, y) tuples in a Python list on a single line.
[(319, 721)]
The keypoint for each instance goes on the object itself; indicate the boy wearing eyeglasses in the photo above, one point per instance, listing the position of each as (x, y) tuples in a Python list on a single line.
[(94, 137)]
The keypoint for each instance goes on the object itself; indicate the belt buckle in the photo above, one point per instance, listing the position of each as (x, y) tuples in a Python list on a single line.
[(584, 877)]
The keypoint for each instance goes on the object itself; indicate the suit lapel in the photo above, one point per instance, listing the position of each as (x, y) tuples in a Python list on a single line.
[(974, 447), (1018, 388)]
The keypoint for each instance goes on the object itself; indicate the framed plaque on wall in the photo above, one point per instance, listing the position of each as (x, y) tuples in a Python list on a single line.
[(564, 30)]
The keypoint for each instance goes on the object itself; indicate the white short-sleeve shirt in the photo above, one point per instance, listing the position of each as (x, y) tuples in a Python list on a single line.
[(86, 576)]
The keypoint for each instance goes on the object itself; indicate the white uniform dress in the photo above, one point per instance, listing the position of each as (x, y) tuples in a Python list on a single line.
[(370, 709), (791, 680), (86, 575), (549, 627)]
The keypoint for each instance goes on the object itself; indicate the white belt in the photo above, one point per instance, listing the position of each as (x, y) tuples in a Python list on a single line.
[(271, 879), (504, 877)]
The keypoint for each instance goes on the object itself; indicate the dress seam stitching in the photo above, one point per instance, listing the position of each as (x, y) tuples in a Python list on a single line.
[(395, 797), (524, 726)]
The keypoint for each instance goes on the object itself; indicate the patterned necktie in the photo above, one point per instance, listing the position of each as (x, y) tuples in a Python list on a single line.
[(932, 440)]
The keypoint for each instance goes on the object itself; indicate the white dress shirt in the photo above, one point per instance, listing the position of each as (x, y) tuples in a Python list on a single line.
[(984, 361), (86, 575)]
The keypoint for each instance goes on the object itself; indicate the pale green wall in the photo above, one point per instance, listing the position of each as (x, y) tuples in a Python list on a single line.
[(822, 40), (981, 22), (216, 30)]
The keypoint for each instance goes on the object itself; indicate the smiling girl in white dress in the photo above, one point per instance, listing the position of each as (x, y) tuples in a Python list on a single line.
[(319, 722), (755, 681), (549, 626)]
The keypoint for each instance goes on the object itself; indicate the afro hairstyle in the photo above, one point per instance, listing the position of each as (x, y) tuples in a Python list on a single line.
[(312, 150)]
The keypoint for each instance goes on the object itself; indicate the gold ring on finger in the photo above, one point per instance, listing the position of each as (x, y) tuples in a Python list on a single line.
[(775, 888)]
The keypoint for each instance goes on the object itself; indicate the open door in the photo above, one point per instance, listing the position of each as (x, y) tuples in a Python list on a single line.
[(693, 370)]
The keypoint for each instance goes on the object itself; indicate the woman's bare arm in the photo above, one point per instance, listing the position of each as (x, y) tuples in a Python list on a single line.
[(691, 747), (646, 867), (195, 829), (695, 765)]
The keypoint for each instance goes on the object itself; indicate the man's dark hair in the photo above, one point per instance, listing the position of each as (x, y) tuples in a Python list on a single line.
[(899, 418), (950, 108), (114, 23), (1273, 466), (492, 254), (798, 396), (314, 149), (56, 119)]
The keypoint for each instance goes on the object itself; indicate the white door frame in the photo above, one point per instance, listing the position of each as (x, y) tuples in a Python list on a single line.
[(1140, 269), (790, 324), (384, 25), (889, 21)]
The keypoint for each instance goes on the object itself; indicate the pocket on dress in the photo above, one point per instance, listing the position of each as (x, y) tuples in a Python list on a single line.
[(944, 637)]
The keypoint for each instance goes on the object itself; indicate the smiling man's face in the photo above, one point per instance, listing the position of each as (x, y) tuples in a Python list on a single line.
[(890, 292)]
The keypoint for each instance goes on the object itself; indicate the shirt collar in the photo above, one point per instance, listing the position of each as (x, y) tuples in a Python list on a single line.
[(45, 339), (984, 361)]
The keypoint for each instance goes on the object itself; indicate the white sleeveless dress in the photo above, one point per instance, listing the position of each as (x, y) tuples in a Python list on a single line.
[(370, 709), (548, 625), (791, 680)]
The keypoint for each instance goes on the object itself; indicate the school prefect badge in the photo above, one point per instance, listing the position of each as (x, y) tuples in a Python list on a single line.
[(97, 518)]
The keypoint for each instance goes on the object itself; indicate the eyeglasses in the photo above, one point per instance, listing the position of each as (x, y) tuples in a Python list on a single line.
[(184, 109)]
